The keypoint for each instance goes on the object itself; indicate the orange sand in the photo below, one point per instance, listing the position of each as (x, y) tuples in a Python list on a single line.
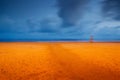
[(60, 61)]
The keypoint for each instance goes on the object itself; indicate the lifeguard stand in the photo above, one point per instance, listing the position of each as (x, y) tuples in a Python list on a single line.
[(91, 39)]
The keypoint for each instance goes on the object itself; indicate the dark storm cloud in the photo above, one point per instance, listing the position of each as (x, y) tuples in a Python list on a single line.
[(71, 10), (112, 8)]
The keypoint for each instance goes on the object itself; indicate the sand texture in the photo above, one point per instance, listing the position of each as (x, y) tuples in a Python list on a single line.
[(59, 61)]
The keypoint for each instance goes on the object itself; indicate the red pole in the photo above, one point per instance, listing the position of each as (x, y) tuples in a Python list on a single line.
[(91, 39)]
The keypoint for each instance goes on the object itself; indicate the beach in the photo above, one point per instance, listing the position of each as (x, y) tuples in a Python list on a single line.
[(59, 61)]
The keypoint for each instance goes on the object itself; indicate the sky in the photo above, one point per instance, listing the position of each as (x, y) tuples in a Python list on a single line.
[(59, 20)]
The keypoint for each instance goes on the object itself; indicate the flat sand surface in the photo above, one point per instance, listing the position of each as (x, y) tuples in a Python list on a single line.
[(59, 61)]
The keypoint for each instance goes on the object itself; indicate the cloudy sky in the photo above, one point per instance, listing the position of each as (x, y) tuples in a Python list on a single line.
[(59, 19)]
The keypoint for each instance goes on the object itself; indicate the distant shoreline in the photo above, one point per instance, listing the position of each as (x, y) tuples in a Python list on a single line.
[(59, 42)]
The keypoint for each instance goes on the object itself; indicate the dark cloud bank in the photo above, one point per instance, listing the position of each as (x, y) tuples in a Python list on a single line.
[(111, 8), (70, 11)]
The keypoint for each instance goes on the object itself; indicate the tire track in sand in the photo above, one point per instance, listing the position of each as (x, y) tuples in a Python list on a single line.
[(65, 59)]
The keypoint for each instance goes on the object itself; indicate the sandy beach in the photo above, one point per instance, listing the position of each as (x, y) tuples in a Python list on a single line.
[(59, 61)]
